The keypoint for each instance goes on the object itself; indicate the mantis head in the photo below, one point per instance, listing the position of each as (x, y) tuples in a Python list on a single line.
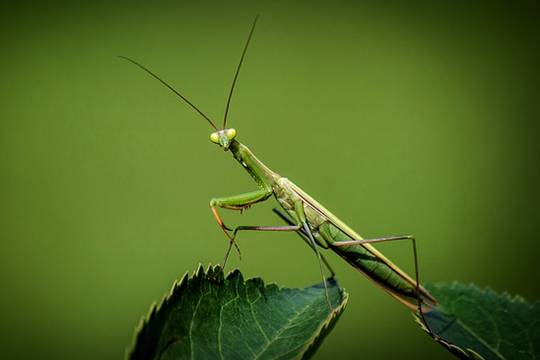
[(223, 137)]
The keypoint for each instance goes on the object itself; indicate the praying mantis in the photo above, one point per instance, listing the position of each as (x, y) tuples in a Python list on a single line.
[(303, 215)]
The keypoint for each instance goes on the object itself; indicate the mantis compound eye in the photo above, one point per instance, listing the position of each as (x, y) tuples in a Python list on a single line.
[(214, 137), (231, 133)]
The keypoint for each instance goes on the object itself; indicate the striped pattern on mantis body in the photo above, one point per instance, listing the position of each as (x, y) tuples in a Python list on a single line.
[(305, 216)]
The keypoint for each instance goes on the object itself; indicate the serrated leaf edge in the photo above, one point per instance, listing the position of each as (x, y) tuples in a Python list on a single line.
[(486, 289), (321, 331), (458, 351), (156, 307)]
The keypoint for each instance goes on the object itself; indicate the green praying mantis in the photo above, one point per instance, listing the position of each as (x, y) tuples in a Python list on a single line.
[(302, 214)]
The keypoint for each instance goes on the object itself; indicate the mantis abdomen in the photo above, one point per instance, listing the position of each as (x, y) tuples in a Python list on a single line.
[(378, 269)]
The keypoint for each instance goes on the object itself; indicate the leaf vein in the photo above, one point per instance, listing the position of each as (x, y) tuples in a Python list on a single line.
[(285, 327), (257, 320), (480, 340), (221, 321), (191, 323)]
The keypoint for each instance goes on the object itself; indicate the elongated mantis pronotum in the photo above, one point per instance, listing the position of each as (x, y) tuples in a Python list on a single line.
[(305, 216)]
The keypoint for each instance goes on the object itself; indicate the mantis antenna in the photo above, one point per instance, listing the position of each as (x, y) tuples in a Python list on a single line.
[(238, 71), (171, 88)]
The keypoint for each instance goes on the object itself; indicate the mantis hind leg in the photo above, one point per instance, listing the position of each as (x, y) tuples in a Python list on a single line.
[(416, 271)]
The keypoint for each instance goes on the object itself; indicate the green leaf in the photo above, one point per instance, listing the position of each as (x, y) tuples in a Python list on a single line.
[(481, 324), (207, 316)]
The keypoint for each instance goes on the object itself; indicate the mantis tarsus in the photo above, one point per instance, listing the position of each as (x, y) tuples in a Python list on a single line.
[(305, 216)]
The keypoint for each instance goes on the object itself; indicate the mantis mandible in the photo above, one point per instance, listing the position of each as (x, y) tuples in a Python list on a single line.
[(303, 215)]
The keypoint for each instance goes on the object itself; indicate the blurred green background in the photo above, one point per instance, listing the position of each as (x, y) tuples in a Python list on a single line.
[(400, 117)]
